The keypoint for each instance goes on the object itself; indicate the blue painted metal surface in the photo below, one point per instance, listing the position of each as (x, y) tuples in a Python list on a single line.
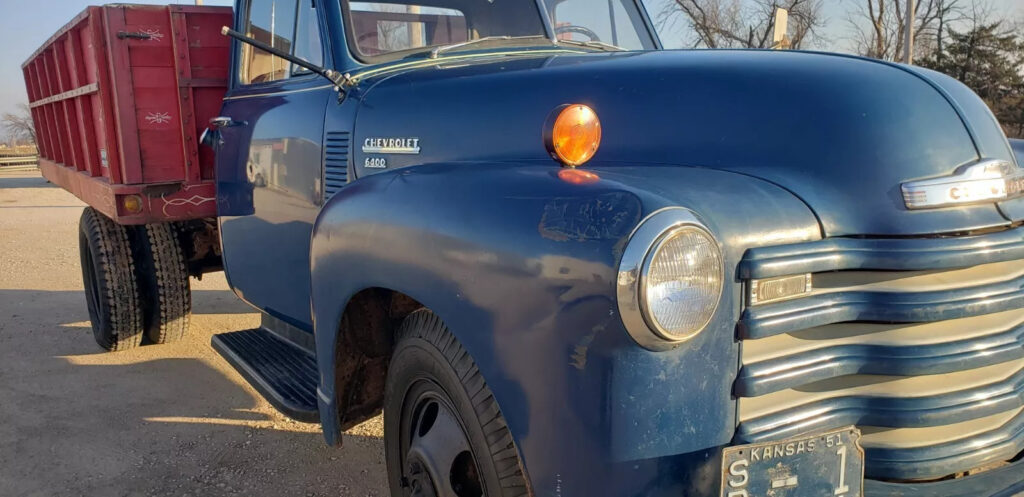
[(869, 126), (590, 410), (522, 265), (280, 150), (270, 182)]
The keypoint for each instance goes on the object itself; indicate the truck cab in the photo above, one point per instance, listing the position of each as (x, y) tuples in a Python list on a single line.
[(564, 261)]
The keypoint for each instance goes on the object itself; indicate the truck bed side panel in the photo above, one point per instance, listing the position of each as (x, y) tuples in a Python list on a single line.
[(120, 96)]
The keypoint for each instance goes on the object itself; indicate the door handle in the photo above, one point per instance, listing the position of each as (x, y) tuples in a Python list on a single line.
[(225, 122)]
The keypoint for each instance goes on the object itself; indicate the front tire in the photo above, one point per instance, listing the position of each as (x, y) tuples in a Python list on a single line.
[(444, 434), (108, 273)]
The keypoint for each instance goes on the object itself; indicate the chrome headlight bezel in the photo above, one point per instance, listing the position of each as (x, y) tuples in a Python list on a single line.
[(643, 244)]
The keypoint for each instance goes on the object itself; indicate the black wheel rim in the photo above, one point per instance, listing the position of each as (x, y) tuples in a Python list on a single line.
[(437, 458)]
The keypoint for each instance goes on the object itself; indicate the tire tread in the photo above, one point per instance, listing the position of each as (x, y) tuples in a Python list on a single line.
[(110, 247), (426, 325), (168, 290)]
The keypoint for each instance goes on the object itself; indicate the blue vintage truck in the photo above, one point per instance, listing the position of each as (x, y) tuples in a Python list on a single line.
[(565, 262)]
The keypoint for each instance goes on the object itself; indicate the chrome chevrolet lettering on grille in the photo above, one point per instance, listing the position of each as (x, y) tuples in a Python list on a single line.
[(984, 181)]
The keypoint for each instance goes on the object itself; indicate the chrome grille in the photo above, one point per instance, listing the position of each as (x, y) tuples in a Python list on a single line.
[(903, 338)]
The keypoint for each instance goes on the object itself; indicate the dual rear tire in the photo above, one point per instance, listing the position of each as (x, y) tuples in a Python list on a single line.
[(136, 282)]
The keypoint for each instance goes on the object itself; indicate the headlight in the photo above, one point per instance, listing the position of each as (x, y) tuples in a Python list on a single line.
[(682, 283), (670, 279)]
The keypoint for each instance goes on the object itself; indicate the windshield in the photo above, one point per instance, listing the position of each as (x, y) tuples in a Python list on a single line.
[(394, 29)]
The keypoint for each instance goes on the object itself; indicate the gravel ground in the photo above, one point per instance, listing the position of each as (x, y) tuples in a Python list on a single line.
[(159, 420)]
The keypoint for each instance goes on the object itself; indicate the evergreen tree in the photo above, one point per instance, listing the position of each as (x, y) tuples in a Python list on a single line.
[(989, 60)]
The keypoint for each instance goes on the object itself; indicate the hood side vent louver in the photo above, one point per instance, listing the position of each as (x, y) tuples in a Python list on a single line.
[(335, 163)]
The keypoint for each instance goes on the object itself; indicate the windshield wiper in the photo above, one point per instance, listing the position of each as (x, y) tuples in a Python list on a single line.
[(435, 53), (600, 45)]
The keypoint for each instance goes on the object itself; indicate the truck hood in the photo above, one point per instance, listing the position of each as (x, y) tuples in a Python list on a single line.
[(840, 133)]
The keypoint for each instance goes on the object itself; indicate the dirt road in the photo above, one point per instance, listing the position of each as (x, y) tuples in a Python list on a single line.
[(160, 420)]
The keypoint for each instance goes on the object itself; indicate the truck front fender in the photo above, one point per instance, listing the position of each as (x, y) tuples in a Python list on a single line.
[(492, 249), (521, 263)]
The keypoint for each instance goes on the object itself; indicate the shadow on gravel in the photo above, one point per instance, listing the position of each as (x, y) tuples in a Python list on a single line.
[(24, 182), (203, 301), (152, 421), (137, 425)]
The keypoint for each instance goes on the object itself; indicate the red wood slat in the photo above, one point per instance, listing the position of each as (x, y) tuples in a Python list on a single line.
[(32, 88), (53, 69), (65, 76), (88, 159), (47, 134), (51, 110), (186, 97), (109, 146), (52, 88), (123, 97), (44, 129)]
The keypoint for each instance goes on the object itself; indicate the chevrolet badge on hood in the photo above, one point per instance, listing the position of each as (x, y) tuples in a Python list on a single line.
[(984, 181)]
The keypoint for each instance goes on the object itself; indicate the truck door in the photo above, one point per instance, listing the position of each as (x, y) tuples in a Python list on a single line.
[(269, 160)]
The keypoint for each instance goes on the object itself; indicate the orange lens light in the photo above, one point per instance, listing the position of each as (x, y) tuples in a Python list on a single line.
[(575, 135), (132, 204)]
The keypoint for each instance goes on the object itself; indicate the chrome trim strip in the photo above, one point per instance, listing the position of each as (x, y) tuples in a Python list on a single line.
[(987, 181)]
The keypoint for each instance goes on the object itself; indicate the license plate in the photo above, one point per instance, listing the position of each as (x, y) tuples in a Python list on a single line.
[(823, 465)]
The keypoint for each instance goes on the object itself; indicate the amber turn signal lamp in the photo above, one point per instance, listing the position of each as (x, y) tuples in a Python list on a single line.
[(573, 134), (132, 204)]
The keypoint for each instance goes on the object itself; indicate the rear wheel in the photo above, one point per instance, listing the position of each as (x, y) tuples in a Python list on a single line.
[(444, 435), (108, 273), (163, 282)]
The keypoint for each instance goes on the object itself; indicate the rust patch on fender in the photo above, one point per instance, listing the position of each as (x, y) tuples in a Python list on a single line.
[(608, 216)]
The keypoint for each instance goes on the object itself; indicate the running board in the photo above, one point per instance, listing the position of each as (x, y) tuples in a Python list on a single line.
[(283, 373)]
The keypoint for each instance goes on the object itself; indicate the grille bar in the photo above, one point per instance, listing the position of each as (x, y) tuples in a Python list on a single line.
[(976, 450), (883, 254), (879, 410), (917, 342), (831, 361), (893, 307)]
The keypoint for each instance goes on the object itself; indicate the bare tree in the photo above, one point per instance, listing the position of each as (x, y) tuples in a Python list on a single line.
[(878, 26), (744, 23), (19, 125)]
